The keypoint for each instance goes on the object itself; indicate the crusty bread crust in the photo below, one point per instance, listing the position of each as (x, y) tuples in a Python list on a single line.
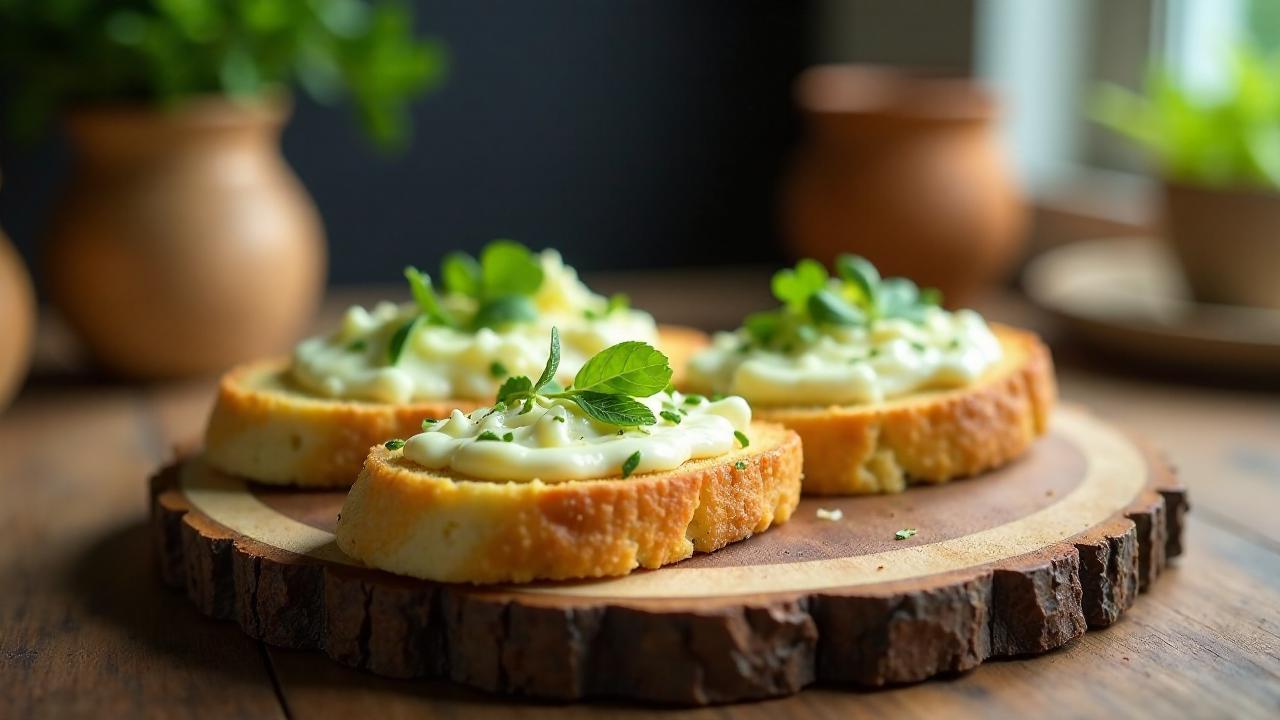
[(439, 526), (266, 429), (932, 436)]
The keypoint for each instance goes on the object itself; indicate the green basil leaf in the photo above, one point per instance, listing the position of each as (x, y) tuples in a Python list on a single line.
[(399, 338), (505, 310), (425, 296), (514, 387), (461, 274), (793, 287), (553, 362), (630, 464), (509, 268), (617, 410), (828, 308), (859, 272), (630, 368)]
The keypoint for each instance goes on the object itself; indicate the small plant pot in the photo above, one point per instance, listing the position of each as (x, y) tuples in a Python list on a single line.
[(185, 243), (1227, 242)]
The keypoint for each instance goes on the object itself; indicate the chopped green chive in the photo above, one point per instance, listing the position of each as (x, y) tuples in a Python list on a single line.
[(558, 418), (487, 435), (428, 422), (904, 533), (630, 465), (742, 438), (498, 370), (393, 444), (741, 464), (508, 437), (671, 417), (693, 399), (357, 345)]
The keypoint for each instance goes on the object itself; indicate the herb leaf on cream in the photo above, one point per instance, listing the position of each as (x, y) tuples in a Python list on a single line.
[(605, 388)]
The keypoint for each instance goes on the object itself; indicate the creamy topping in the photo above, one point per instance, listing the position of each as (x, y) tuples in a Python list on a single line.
[(556, 441), (441, 363), (853, 364)]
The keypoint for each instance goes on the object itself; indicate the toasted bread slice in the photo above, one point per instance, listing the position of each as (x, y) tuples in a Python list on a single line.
[(931, 436), (266, 429), (441, 526)]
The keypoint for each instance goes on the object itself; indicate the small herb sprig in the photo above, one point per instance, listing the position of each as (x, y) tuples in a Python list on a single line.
[(606, 386), (810, 302), (501, 285)]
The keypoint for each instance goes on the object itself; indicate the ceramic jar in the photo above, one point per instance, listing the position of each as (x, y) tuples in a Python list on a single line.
[(17, 321), (185, 243), (906, 170), (1227, 241)]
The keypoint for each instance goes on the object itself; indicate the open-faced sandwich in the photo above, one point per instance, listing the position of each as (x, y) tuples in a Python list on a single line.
[(615, 472), (883, 385), (310, 419)]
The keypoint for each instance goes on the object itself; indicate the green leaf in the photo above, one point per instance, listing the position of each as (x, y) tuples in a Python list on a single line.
[(762, 327), (553, 362), (742, 438), (393, 444), (630, 368), (505, 310), (461, 274), (859, 272), (358, 345), (828, 308), (741, 464), (670, 416), (617, 410), (487, 435), (399, 338), (793, 287), (425, 296), (508, 437), (630, 464), (509, 268), (515, 387), (617, 302), (428, 423), (497, 369)]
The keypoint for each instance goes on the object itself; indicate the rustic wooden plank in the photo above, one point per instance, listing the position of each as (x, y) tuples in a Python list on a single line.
[(1205, 642), (86, 628)]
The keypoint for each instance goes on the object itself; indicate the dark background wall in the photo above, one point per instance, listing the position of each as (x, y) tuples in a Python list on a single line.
[(628, 134)]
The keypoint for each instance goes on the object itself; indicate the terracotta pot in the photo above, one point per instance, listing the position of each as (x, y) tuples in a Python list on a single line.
[(1227, 241), (185, 243), (905, 170), (17, 321)]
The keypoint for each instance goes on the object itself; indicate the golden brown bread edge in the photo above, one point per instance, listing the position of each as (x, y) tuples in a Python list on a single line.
[(263, 429), (428, 524), (928, 437)]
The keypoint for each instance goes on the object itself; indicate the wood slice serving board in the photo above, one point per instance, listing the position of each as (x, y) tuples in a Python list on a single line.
[(1012, 562)]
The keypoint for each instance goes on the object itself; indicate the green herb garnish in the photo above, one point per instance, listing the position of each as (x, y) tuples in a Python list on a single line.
[(630, 464), (427, 423), (671, 417), (742, 438), (357, 345), (508, 437), (693, 399), (488, 435), (498, 370), (395, 444), (904, 533), (605, 387), (812, 300), (741, 464), (400, 338)]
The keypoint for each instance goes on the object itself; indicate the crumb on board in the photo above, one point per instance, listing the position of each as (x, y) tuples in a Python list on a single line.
[(832, 515)]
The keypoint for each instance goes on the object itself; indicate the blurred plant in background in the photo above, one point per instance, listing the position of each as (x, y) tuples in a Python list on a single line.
[(59, 54), (1226, 139)]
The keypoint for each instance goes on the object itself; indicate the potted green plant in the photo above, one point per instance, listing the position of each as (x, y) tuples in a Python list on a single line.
[(1219, 158), (184, 242)]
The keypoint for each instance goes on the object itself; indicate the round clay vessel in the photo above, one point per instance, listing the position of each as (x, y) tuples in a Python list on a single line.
[(185, 243), (1227, 241), (906, 170), (17, 321)]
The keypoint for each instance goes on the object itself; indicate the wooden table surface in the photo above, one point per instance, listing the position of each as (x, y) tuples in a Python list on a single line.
[(86, 629)]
